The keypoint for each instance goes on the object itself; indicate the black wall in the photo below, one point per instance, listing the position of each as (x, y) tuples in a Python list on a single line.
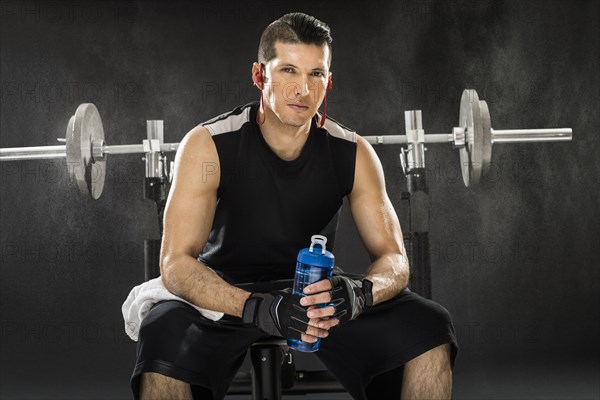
[(515, 259)]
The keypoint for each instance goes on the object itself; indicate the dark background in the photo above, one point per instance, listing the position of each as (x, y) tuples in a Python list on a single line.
[(515, 259)]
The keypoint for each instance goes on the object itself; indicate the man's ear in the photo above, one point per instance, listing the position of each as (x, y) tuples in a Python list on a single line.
[(257, 75), (330, 81)]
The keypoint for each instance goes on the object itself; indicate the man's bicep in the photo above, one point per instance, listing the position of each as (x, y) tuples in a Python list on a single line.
[(192, 199), (373, 213)]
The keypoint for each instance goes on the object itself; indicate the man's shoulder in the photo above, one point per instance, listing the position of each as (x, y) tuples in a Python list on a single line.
[(230, 121), (339, 131)]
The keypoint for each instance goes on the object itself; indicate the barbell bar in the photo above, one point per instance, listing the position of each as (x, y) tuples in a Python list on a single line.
[(498, 136), (86, 152), (52, 152)]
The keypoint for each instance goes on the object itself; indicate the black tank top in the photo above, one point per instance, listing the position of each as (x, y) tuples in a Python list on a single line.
[(268, 208)]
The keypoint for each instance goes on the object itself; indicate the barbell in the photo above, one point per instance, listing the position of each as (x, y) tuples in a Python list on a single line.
[(473, 138), (86, 151)]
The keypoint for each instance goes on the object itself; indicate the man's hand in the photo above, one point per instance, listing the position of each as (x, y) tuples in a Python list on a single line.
[(279, 313), (346, 299)]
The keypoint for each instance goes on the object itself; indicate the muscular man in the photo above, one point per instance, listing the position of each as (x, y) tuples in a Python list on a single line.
[(250, 189)]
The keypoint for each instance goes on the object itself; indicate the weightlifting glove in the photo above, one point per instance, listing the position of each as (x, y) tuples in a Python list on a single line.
[(350, 297), (278, 313)]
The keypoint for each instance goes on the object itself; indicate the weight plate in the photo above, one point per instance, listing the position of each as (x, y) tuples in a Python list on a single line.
[(486, 144), (470, 120), (85, 129)]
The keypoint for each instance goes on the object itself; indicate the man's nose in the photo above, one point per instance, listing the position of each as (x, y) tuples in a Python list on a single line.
[(303, 87)]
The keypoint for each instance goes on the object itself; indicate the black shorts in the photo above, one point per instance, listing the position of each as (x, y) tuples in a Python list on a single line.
[(177, 341)]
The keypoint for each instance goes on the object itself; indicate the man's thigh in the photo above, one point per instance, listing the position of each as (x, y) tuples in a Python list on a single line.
[(384, 339), (175, 340)]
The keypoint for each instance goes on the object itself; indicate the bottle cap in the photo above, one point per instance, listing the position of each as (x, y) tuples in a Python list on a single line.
[(317, 254)]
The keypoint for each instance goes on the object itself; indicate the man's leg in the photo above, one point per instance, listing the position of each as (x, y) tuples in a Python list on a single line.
[(159, 387), (181, 354), (399, 337), (428, 376)]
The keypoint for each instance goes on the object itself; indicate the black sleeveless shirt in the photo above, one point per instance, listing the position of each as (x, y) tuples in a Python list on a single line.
[(268, 208)]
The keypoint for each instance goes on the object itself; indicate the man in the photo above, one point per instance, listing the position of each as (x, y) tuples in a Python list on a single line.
[(250, 188)]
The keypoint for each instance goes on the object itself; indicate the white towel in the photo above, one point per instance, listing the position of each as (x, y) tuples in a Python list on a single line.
[(143, 297)]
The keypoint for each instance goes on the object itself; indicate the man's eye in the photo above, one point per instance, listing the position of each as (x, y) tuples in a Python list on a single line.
[(287, 70), (318, 74)]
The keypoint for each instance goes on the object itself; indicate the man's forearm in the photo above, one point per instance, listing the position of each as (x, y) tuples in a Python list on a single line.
[(191, 280), (389, 274)]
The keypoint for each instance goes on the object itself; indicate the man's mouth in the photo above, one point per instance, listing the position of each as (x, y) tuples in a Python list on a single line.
[(298, 107)]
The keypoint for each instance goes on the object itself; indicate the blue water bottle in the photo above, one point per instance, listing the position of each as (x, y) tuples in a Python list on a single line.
[(312, 265)]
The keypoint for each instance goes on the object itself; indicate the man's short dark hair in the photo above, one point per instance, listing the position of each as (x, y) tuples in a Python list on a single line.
[(293, 28)]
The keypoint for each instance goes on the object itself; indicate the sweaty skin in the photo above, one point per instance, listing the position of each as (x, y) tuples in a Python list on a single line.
[(293, 87)]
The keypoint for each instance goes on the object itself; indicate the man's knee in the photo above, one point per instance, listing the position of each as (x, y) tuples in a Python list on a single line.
[(433, 320), (439, 313)]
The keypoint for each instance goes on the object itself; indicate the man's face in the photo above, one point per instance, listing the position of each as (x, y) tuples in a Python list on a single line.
[(295, 81)]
